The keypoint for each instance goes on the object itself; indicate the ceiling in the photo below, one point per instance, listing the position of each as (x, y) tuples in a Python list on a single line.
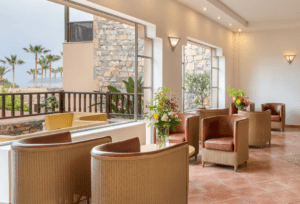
[(249, 15)]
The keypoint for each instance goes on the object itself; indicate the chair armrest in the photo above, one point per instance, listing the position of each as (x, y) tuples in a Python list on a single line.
[(241, 134), (206, 129), (282, 112), (192, 131), (264, 107)]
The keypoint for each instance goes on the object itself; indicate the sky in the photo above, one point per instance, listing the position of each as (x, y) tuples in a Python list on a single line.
[(35, 22)]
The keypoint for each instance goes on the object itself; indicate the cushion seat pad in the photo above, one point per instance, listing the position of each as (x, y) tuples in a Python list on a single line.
[(275, 118), (220, 143), (177, 138)]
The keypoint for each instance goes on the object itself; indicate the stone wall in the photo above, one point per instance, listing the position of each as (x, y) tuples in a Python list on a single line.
[(21, 127), (197, 60), (114, 46)]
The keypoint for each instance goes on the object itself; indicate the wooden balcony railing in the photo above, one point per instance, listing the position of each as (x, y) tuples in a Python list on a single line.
[(15, 105)]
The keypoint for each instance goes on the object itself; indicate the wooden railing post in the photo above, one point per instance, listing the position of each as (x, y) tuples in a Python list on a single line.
[(108, 102), (62, 102)]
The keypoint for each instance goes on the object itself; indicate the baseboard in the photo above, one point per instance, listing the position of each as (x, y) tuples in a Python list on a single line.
[(5, 203), (294, 126)]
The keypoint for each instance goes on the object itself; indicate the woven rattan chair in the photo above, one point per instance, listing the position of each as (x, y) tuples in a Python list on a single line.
[(123, 174), (277, 114), (259, 127), (225, 140), (52, 169), (207, 113)]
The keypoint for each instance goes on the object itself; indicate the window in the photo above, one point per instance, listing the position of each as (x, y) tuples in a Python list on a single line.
[(199, 60)]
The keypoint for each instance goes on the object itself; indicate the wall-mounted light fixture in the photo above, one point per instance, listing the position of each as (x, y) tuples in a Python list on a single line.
[(174, 42), (290, 58)]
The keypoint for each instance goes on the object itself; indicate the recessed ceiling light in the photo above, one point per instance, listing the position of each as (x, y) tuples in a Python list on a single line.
[(229, 24), (204, 8), (240, 30), (219, 17)]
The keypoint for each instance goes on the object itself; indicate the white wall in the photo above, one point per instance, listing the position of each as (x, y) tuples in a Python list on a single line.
[(265, 74)]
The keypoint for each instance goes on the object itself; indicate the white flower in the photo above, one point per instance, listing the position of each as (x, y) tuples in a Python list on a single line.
[(155, 121), (165, 118)]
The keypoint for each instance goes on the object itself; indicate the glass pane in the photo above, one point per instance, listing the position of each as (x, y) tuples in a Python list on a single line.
[(144, 70), (197, 62), (214, 78), (145, 47), (215, 62), (214, 98)]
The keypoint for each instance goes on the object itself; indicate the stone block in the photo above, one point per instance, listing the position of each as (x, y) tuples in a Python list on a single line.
[(107, 74)]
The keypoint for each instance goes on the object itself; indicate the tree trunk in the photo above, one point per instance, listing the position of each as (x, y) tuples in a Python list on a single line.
[(61, 80), (50, 75), (54, 80), (13, 70), (35, 73), (33, 81), (42, 72), (45, 78)]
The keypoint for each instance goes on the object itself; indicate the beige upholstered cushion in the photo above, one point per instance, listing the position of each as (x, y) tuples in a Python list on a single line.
[(220, 143)]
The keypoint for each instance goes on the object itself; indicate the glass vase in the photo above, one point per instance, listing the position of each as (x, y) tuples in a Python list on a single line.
[(162, 138)]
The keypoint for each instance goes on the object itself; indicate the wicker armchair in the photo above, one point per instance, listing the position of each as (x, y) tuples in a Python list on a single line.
[(259, 127), (52, 169), (186, 131), (207, 113), (123, 174), (225, 140), (277, 114)]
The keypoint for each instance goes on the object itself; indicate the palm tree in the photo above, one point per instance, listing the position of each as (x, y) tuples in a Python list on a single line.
[(13, 61), (52, 58), (55, 71), (43, 62), (60, 70), (32, 72), (36, 50), (3, 71)]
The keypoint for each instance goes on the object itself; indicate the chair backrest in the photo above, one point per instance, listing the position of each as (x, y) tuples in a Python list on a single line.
[(181, 127), (274, 107), (57, 121), (259, 126), (207, 113), (140, 177), (52, 169)]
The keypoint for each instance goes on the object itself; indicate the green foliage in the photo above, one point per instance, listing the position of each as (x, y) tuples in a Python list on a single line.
[(234, 93), (8, 102), (38, 49), (198, 84), (8, 84), (50, 103), (3, 70)]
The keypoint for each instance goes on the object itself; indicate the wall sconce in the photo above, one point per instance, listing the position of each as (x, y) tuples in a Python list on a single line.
[(174, 42), (290, 58)]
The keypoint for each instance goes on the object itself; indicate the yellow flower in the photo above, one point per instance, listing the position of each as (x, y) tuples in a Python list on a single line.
[(155, 116), (238, 101)]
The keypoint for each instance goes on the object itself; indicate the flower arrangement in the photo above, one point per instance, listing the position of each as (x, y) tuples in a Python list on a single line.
[(163, 114), (238, 97)]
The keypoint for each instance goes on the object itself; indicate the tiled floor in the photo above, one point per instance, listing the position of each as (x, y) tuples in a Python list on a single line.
[(268, 177)]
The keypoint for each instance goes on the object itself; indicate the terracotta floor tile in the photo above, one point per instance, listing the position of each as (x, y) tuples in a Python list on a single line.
[(236, 181), (236, 201), (272, 186), (221, 196), (213, 186), (291, 182), (193, 189), (197, 199), (287, 196), (263, 199), (248, 191)]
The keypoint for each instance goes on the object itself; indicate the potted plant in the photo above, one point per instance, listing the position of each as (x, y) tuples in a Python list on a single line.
[(199, 85), (238, 97), (163, 115), (50, 104)]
